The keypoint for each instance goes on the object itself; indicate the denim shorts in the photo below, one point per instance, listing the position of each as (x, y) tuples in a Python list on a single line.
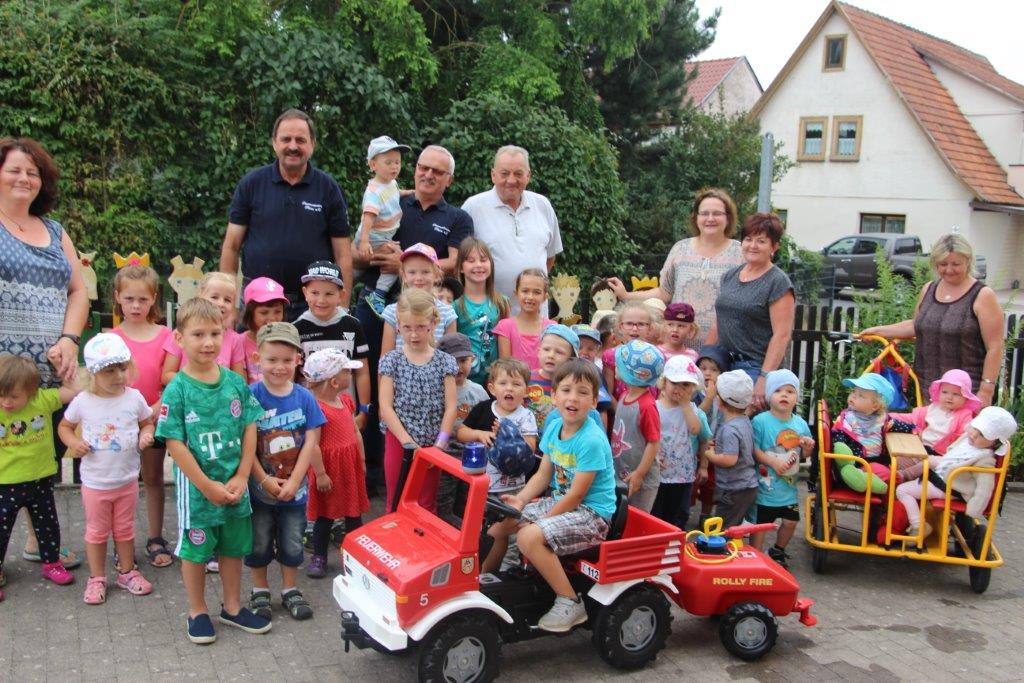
[(276, 534)]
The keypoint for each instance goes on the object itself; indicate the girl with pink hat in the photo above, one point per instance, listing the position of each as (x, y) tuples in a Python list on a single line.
[(942, 421)]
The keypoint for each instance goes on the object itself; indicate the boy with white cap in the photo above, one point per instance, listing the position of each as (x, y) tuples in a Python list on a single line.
[(987, 436), (684, 435), (732, 453), (781, 440), (381, 212)]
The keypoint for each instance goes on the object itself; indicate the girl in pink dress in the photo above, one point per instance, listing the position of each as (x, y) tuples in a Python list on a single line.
[(337, 475), (519, 336), (137, 304)]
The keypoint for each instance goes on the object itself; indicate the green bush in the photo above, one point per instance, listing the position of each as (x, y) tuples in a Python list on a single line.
[(893, 300)]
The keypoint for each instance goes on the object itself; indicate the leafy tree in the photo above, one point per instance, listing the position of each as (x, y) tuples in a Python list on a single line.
[(706, 150), (647, 86)]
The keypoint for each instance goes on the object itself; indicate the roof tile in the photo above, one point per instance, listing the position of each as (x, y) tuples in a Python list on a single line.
[(710, 73)]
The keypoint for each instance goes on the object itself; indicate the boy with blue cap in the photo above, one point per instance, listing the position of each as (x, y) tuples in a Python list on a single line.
[(558, 343), (637, 432), (381, 212), (781, 440)]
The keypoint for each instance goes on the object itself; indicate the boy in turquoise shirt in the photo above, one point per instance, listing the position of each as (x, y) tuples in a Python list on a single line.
[(577, 470), (781, 440), (208, 420)]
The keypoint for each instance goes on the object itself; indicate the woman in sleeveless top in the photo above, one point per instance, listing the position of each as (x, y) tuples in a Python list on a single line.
[(43, 302), (694, 266), (958, 323)]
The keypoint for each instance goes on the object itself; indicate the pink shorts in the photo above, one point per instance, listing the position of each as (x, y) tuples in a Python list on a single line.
[(110, 512)]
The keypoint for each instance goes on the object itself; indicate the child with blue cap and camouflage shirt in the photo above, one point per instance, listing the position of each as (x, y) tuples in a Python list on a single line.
[(637, 431)]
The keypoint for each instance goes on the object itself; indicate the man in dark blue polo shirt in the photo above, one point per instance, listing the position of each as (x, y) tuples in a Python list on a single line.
[(288, 214), (427, 218)]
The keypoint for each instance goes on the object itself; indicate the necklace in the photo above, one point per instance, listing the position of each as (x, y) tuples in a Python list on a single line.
[(20, 226)]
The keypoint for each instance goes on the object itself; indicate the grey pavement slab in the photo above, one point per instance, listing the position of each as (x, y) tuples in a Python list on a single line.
[(879, 620)]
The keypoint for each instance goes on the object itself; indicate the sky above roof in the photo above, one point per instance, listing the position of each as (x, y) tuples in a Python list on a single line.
[(768, 32)]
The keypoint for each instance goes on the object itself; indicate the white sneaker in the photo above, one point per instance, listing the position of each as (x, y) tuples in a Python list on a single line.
[(563, 615)]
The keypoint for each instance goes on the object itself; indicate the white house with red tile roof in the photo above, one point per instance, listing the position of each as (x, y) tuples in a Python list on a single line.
[(893, 129), (722, 85)]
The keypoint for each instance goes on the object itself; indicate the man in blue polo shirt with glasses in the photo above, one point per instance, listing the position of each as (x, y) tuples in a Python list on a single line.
[(426, 218), (288, 214)]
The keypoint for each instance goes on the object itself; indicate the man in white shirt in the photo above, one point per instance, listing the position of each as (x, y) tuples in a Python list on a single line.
[(518, 226)]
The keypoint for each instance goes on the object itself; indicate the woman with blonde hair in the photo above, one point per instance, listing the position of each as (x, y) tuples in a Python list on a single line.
[(957, 323)]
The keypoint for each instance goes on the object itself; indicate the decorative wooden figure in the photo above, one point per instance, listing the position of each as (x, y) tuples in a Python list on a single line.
[(603, 299), (132, 259), (86, 258), (565, 290), (645, 282), (185, 277)]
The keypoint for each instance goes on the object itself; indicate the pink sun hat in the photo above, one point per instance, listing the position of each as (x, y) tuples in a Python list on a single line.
[(961, 380)]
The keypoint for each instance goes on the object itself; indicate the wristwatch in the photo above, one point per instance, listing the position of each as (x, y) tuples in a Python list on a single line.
[(364, 408), (73, 337)]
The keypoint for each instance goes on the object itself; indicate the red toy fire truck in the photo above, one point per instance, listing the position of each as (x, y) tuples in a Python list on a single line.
[(411, 578)]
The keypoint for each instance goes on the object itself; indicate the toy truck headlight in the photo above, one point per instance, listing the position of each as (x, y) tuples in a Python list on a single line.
[(440, 575)]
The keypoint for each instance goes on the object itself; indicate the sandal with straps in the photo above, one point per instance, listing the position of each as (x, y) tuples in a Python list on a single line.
[(156, 547), (96, 590), (296, 605)]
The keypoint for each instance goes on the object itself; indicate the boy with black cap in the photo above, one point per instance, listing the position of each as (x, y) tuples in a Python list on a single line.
[(732, 453), (327, 325)]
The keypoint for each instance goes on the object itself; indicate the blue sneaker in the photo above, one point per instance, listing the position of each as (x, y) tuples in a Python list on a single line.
[(376, 301), (245, 620), (200, 629)]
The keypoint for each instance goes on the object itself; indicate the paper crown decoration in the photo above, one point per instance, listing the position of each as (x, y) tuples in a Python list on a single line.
[(132, 259), (641, 283)]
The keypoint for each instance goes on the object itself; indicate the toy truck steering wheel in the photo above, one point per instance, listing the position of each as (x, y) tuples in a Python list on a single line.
[(500, 508)]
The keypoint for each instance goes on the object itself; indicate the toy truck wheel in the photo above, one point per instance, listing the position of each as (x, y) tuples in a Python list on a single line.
[(748, 630), (818, 555), (980, 576), (629, 633), (461, 649)]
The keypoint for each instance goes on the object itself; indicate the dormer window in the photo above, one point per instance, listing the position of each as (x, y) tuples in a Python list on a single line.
[(835, 53)]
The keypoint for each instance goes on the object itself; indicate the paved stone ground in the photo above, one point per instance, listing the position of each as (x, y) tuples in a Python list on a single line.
[(880, 620)]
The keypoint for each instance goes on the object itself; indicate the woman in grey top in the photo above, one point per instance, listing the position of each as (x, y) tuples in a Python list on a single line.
[(755, 305), (43, 303)]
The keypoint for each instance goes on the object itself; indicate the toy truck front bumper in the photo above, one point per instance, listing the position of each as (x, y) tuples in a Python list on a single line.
[(363, 622)]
